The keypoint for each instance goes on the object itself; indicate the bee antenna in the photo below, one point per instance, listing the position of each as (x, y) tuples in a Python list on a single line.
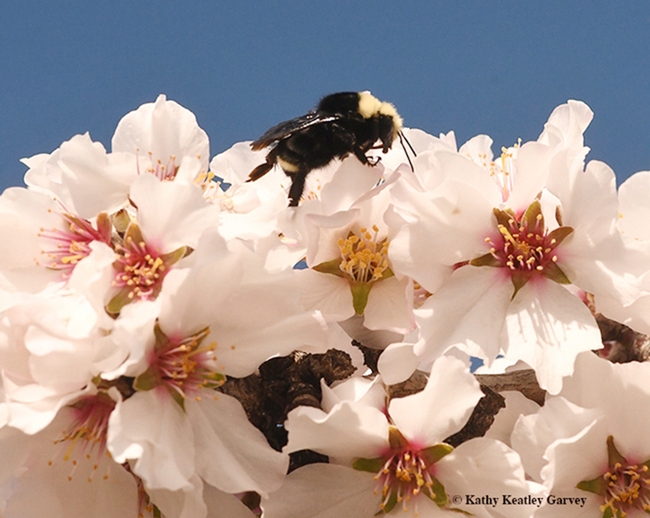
[(403, 139)]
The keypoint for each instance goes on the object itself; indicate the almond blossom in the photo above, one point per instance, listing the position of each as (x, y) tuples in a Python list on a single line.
[(591, 440), (497, 242), (393, 459)]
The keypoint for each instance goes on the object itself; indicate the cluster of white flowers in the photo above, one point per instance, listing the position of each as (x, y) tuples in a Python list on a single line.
[(135, 284)]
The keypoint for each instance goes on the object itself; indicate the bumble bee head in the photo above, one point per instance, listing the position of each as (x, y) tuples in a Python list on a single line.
[(370, 106)]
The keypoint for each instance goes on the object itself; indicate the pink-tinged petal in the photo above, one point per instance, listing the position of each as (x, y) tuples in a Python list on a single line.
[(324, 491), (36, 480), (534, 433), (171, 214), (633, 198), (350, 429), (442, 408), (547, 327), (152, 432), (165, 129), (231, 454), (183, 503), (327, 293), (468, 311), (390, 306), (481, 467), (23, 214), (397, 363)]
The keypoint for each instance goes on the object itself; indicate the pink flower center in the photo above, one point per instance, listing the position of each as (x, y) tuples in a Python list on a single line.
[(85, 437), (525, 247), (72, 242), (139, 268), (628, 488), (403, 476), (181, 365)]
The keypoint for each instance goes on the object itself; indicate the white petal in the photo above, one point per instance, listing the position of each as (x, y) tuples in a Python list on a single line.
[(397, 363), (516, 405), (324, 491), (165, 129), (151, 430), (442, 408), (547, 327), (469, 309), (327, 293), (484, 466), (390, 305), (231, 454), (350, 429)]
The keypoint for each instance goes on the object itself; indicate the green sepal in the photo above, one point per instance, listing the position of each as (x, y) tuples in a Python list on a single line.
[(461, 511), (486, 260), (559, 235), (438, 493), (609, 513), (530, 216), (360, 292), (178, 397), (519, 280), (433, 454), (133, 233), (146, 381), (390, 505), (104, 226), (118, 301), (332, 267), (160, 338), (214, 380), (597, 485), (613, 455), (387, 274), (174, 256), (369, 465), (396, 440), (554, 273), (504, 217)]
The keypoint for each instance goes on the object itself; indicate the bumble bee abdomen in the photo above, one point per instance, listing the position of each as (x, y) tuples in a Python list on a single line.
[(314, 147)]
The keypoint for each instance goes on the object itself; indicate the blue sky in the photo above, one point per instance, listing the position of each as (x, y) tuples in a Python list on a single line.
[(473, 67)]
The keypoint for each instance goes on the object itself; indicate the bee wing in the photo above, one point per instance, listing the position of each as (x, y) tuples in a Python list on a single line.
[(287, 128)]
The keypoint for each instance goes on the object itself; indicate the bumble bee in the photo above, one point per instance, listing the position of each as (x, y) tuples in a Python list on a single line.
[(342, 123)]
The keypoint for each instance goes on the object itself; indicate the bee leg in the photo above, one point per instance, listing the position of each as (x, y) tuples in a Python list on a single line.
[(297, 186), (361, 155), (264, 168), (259, 171)]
